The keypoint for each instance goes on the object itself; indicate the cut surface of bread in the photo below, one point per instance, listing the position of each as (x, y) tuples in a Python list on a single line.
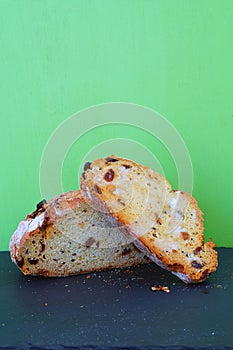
[(66, 236), (166, 225)]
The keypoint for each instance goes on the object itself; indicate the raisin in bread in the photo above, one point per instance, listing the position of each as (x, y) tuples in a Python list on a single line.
[(164, 224), (66, 236)]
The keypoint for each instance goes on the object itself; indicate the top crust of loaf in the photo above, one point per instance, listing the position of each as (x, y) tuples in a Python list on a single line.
[(167, 225)]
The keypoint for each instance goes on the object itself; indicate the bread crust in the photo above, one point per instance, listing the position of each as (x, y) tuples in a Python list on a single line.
[(177, 243)]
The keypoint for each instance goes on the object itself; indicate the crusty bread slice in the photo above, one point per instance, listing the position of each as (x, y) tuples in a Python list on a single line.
[(66, 236), (166, 225)]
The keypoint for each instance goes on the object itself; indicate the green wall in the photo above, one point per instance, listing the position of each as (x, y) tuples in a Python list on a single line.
[(59, 57)]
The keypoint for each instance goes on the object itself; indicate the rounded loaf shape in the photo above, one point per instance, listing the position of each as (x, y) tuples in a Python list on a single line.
[(165, 224), (66, 237)]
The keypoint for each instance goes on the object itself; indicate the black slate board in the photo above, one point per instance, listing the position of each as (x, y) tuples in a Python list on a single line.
[(116, 309)]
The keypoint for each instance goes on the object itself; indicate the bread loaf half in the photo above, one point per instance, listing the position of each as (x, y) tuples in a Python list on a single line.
[(164, 224), (66, 236)]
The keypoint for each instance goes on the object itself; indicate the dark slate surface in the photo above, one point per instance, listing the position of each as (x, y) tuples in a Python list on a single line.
[(116, 309)]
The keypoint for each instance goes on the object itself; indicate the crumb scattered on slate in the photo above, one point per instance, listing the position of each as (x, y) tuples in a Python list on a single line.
[(160, 288)]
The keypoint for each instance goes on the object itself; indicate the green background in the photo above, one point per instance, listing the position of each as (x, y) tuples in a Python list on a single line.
[(174, 56)]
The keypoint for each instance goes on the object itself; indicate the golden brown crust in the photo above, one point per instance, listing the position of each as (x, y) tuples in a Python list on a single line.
[(167, 224)]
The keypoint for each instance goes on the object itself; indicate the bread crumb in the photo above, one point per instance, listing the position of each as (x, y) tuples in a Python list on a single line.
[(160, 288)]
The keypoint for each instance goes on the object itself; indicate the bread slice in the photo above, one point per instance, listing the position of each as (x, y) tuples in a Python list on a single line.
[(164, 224), (66, 236)]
